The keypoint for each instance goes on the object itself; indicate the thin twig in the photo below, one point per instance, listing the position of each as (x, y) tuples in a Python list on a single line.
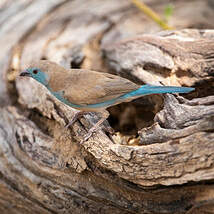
[(149, 12)]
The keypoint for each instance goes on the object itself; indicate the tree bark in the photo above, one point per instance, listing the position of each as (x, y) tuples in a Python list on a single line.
[(159, 159)]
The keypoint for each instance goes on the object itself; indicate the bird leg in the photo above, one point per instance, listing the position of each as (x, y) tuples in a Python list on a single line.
[(104, 116), (75, 117)]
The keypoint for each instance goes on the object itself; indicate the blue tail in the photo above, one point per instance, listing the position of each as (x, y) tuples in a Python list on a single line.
[(152, 89)]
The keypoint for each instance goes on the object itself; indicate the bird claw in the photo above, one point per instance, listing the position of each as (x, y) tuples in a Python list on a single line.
[(89, 134), (69, 124), (86, 137), (75, 117), (72, 121)]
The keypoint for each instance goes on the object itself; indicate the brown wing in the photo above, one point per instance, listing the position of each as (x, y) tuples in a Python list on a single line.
[(89, 87)]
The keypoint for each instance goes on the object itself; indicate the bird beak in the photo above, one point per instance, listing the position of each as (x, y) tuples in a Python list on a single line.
[(25, 73)]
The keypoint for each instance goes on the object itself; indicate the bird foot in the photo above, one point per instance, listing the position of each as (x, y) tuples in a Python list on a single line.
[(90, 133), (96, 127), (75, 117), (71, 122)]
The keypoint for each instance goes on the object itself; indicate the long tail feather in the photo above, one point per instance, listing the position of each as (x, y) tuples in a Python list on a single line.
[(152, 89)]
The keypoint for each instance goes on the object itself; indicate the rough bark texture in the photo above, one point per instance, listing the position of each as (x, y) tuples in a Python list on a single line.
[(160, 158)]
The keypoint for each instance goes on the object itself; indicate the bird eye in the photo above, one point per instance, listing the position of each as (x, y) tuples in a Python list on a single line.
[(35, 71)]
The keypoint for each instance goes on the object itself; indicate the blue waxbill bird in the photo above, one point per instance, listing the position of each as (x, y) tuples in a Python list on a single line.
[(91, 91)]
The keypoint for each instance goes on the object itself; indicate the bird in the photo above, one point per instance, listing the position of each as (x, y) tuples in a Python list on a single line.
[(91, 91)]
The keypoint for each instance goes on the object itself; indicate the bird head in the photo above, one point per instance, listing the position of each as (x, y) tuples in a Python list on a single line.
[(37, 74), (40, 71)]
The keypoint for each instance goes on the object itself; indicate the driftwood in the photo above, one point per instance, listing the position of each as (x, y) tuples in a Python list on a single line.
[(159, 159)]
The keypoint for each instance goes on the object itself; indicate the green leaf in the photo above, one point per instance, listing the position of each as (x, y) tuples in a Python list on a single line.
[(168, 11)]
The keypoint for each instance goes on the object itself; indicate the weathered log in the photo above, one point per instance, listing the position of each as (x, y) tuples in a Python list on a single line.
[(164, 166)]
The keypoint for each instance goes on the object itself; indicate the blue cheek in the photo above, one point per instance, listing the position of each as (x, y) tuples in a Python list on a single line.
[(36, 77), (41, 77)]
